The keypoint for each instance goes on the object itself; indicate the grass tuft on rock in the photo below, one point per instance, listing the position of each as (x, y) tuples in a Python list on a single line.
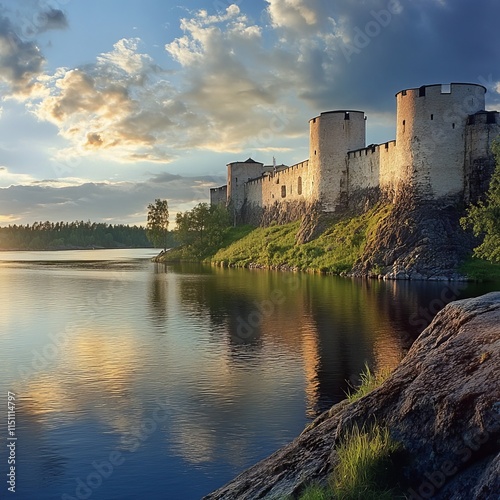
[(365, 465), (365, 458), (364, 469), (369, 382)]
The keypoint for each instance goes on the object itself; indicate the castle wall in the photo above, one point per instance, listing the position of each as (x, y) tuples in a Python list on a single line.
[(218, 196), (482, 129), (390, 170), (281, 195), (331, 136), (363, 168), (287, 184), (442, 150), (430, 137)]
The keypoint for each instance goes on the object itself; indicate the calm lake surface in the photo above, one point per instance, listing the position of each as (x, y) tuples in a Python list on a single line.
[(137, 380)]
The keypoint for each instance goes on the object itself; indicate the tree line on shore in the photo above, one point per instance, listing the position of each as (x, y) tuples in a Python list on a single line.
[(66, 235)]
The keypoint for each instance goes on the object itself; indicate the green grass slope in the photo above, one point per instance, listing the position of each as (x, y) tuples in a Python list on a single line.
[(333, 252)]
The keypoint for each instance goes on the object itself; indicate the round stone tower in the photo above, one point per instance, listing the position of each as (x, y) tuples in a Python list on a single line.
[(430, 138), (331, 136)]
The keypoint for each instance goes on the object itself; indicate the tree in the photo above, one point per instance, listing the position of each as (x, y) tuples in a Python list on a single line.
[(157, 226), (202, 228), (484, 218)]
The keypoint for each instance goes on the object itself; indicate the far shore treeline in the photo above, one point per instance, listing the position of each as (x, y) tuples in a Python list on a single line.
[(71, 235)]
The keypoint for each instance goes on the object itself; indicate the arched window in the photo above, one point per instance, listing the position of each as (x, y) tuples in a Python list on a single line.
[(283, 191), (299, 185)]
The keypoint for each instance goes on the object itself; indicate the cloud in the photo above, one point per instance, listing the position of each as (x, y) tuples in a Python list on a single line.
[(164, 177), (124, 106), (300, 16), (20, 63), (242, 84), (32, 17), (358, 54), (117, 202), (229, 78), (51, 19), (119, 104), (8, 178)]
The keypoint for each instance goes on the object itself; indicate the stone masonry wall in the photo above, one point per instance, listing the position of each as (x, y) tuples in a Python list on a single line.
[(218, 196), (288, 184), (442, 151), (430, 137)]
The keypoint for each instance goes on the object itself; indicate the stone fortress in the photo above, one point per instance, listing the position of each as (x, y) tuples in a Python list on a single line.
[(442, 152)]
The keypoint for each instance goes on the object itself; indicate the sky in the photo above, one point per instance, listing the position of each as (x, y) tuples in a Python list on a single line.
[(107, 105)]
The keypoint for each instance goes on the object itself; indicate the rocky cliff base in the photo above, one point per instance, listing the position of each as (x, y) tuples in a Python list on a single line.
[(279, 213), (417, 241), (442, 404)]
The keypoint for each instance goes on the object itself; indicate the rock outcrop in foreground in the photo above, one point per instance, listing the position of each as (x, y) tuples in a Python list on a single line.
[(442, 404)]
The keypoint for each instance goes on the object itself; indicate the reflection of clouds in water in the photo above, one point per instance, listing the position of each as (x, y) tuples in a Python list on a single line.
[(47, 397), (211, 386), (8, 301), (194, 441), (95, 374), (311, 356), (107, 363)]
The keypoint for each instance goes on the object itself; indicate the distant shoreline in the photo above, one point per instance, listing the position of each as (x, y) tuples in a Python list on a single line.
[(67, 249)]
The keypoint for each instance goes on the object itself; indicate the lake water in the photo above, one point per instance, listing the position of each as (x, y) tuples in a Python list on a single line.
[(136, 380)]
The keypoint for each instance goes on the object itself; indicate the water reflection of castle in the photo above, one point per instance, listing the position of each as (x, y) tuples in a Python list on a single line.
[(331, 327)]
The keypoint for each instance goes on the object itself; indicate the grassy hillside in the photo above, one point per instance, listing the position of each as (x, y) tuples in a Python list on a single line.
[(334, 251), (185, 254)]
